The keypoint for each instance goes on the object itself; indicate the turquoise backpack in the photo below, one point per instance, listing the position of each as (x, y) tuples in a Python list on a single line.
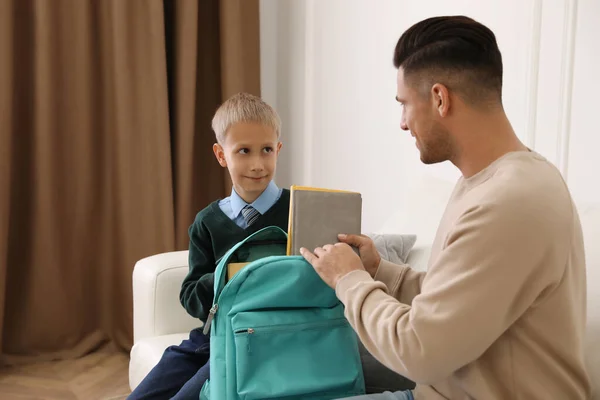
[(277, 330)]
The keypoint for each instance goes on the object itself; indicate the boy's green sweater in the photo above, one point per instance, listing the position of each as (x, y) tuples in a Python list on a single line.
[(211, 235)]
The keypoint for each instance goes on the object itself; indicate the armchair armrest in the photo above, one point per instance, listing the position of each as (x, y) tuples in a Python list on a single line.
[(156, 307)]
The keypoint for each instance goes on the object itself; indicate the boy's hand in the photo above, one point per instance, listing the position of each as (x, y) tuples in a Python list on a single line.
[(368, 252), (332, 262)]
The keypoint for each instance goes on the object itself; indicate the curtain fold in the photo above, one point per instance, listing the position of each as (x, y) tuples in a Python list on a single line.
[(105, 154)]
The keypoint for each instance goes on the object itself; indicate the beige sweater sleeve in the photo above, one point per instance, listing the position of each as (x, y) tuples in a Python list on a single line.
[(487, 275), (402, 282)]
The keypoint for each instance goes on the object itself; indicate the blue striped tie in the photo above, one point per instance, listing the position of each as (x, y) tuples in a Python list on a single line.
[(250, 214)]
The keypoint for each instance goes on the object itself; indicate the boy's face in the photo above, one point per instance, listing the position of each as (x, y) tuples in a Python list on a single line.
[(250, 152)]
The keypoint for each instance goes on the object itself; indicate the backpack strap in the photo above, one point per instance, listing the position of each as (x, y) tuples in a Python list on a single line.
[(264, 236)]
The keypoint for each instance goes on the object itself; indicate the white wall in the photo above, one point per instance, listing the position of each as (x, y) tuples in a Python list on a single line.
[(327, 68)]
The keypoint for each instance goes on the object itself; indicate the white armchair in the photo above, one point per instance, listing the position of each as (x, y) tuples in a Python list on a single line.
[(159, 320)]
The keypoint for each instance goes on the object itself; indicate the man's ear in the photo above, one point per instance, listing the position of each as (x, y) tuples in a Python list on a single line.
[(441, 99), (220, 154)]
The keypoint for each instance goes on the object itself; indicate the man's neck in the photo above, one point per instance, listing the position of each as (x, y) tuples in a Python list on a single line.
[(487, 137)]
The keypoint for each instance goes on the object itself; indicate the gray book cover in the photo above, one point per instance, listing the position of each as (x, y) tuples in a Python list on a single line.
[(318, 216)]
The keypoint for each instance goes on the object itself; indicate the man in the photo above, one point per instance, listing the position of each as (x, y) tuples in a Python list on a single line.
[(500, 313)]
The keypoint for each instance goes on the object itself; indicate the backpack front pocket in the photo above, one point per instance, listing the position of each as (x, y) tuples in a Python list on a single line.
[(295, 354)]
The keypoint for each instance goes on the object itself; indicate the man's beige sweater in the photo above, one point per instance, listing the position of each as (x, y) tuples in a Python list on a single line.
[(500, 313)]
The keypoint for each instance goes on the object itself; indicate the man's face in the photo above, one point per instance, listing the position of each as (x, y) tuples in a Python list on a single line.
[(421, 117), (250, 153)]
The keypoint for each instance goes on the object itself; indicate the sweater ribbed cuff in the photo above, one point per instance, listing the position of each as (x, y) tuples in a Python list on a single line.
[(388, 272), (350, 280)]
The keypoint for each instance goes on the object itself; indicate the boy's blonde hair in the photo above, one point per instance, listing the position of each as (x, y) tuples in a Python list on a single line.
[(244, 107)]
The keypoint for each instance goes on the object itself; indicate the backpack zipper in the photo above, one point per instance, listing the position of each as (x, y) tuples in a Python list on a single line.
[(211, 315), (249, 331), (214, 308)]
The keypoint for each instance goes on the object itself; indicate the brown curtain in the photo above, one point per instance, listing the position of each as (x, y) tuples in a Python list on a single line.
[(105, 153)]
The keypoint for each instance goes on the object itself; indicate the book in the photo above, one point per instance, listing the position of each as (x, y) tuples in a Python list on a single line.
[(318, 215), (234, 268)]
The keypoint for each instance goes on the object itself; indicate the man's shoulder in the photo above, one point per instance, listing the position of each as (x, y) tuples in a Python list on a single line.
[(525, 181), (529, 191)]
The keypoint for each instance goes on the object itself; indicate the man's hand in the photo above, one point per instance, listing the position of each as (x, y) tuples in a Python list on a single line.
[(368, 252), (332, 262)]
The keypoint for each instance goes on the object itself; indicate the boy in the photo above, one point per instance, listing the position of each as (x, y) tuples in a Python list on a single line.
[(247, 132)]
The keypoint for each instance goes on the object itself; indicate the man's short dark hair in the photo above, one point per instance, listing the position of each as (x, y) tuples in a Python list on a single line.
[(456, 51)]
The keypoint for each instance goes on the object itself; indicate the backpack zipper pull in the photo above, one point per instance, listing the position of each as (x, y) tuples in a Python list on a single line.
[(211, 315)]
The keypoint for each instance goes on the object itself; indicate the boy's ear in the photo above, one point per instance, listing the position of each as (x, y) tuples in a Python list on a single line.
[(279, 145), (220, 154)]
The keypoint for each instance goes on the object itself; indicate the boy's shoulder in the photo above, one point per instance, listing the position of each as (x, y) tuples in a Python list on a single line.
[(285, 196), (208, 212)]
